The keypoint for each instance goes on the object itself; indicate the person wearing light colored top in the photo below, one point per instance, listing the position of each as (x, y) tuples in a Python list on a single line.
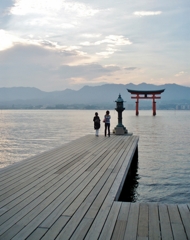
[(107, 118)]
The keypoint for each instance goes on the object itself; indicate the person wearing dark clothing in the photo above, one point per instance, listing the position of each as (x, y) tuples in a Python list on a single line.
[(96, 120), (107, 118)]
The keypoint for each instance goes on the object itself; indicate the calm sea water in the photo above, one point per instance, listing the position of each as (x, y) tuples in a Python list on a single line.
[(164, 152)]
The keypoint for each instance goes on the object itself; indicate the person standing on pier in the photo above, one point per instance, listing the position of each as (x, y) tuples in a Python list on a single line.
[(107, 118), (96, 123)]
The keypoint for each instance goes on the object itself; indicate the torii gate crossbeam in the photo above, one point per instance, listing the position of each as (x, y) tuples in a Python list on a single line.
[(145, 94)]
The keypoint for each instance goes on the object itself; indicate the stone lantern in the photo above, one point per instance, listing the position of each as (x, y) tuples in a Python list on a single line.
[(119, 129)]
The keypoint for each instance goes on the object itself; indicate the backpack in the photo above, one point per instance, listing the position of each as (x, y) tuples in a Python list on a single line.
[(97, 120)]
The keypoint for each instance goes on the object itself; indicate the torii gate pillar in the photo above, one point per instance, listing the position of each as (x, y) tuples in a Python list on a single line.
[(154, 106), (137, 105)]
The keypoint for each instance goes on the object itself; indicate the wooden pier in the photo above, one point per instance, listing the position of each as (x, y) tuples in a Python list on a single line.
[(72, 192)]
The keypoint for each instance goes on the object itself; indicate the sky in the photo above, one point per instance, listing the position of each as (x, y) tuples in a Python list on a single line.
[(58, 44)]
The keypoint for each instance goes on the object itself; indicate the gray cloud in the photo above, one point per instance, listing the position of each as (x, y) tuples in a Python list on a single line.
[(87, 71), (130, 68), (33, 54), (29, 65)]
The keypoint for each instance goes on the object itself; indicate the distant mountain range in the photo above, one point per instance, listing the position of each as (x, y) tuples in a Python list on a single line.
[(96, 95)]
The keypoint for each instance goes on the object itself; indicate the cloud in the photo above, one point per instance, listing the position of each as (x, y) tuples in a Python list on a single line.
[(8, 40), (111, 40), (114, 40), (40, 16), (80, 9), (47, 68), (179, 74), (24, 7), (49, 7), (29, 64), (147, 13), (23, 54), (105, 54), (86, 71), (130, 68), (89, 35)]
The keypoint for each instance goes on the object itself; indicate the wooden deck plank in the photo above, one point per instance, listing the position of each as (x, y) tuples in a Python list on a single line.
[(81, 231), (121, 222), (67, 232), (143, 222), (185, 216), (56, 228), (132, 223), (38, 234), (176, 223), (110, 222), (165, 225), (154, 227)]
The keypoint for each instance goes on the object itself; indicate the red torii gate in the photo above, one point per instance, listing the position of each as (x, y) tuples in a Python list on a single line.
[(145, 94)]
